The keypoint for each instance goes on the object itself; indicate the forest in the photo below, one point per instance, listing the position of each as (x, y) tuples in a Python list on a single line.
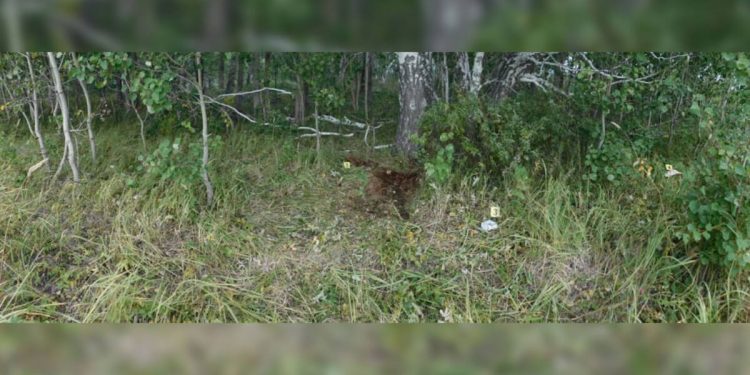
[(374, 187)]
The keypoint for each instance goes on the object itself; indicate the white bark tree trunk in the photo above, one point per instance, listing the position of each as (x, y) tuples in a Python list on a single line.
[(513, 68), (446, 78), (299, 102), (204, 116), (89, 115), (463, 67), (35, 113), (471, 74), (137, 114), (367, 86), (62, 100), (412, 100), (476, 73)]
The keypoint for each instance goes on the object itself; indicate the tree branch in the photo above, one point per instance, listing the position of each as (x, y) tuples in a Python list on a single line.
[(254, 92), (316, 133)]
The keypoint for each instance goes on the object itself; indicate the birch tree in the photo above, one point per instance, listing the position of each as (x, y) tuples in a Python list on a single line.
[(89, 115), (412, 100), (471, 74), (34, 109), (204, 117), (63, 105)]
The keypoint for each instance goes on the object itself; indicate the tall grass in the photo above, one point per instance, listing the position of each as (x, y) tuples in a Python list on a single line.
[(288, 240)]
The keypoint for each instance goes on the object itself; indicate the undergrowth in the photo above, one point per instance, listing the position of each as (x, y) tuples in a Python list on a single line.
[(288, 241)]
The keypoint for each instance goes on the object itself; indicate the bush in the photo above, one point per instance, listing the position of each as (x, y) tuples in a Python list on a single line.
[(717, 199), (473, 137), (618, 162), (440, 168), (174, 162)]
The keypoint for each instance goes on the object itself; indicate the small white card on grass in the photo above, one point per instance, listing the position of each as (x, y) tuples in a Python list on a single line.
[(494, 212)]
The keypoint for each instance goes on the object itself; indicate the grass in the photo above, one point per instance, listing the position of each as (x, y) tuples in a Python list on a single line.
[(289, 241)]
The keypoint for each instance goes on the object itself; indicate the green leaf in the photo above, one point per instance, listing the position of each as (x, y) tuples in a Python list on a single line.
[(695, 109), (693, 205)]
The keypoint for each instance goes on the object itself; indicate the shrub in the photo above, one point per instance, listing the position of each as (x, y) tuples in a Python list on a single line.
[(617, 162), (174, 162), (439, 168), (470, 136), (717, 199)]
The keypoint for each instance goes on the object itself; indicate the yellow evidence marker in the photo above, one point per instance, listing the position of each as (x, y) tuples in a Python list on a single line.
[(494, 211)]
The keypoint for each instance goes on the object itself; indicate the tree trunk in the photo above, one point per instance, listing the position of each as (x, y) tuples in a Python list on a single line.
[(62, 163), (476, 74), (412, 101), (471, 74), (138, 115), (124, 102), (356, 88), (35, 113), (66, 116), (255, 81), (221, 82), (299, 102), (266, 79), (367, 86), (89, 116), (317, 133), (240, 80), (510, 71), (446, 79), (204, 116), (231, 77), (463, 67), (5, 100)]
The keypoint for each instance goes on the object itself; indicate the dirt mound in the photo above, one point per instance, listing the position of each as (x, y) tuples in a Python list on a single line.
[(388, 185)]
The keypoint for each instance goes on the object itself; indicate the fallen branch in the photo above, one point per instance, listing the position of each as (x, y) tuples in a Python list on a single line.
[(316, 133), (345, 121), (573, 69), (613, 76), (254, 92), (36, 167), (542, 83), (210, 100)]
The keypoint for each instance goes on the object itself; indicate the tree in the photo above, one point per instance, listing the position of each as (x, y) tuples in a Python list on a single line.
[(471, 75), (412, 100), (89, 115), (70, 149), (35, 112), (204, 118)]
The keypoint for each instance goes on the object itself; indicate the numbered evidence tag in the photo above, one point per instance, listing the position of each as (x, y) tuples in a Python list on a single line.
[(494, 211), (347, 165)]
